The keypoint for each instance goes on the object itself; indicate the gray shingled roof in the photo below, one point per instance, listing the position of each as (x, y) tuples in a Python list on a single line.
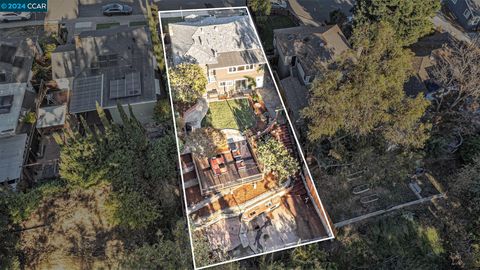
[(12, 151), (312, 44), (204, 41)]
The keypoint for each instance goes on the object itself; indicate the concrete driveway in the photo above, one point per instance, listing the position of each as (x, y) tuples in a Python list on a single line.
[(194, 4), (316, 12)]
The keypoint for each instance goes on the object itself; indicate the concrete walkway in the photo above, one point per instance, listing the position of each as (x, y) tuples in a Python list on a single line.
[(195, 114), (20, 24), (380, 212), (270, 97)]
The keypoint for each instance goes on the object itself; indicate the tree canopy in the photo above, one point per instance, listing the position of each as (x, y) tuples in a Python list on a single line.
[(188, 82), (206, 142), (366, 96), (409, 18), (262, 7), (276, 159)]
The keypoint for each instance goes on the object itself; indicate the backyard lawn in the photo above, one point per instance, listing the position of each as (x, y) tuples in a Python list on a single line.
[(234, 114), (266, 26)]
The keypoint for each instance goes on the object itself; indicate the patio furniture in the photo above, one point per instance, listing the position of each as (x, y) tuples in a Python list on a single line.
[(369, 199), (360, 189)]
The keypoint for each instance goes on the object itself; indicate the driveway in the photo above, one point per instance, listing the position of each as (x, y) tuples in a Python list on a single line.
[(195, 4), (316, 12)]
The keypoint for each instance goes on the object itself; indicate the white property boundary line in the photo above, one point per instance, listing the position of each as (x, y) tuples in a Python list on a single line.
[(327, 221)]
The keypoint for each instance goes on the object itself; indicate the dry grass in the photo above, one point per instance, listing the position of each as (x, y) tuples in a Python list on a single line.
[(71, 232)]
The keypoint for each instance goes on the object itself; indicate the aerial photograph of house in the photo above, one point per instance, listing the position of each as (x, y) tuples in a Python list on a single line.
[(247, 188)]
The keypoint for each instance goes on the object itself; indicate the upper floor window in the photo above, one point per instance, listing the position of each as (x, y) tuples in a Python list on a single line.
[(241, 68)]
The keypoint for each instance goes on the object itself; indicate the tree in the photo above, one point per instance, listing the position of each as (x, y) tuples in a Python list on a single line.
[(162, 114), (366, 95), (458, 73), (311, 257), (206, 142), (275, 158), (188, 82), (261, 7), (411, 19), (163, 254)]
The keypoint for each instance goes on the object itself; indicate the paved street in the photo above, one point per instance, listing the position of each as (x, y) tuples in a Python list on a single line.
[(93, 8), (194, 4), (316, 12)]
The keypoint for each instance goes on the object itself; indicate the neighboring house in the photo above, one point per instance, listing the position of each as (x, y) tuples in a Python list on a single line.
[(301, 49), (108, 67), (16, 99), (467, 13), (226, 48), (426, 51)]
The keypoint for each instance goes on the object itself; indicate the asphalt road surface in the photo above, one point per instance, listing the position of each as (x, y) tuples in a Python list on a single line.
[(192, 4)]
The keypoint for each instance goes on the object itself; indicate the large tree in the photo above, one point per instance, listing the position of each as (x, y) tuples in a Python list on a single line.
[(275, 158), (410, 18), (188, 82), (206, 142), (261, 7), (366, 95)]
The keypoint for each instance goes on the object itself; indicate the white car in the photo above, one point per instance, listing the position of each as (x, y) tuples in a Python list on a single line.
[(14, 16)]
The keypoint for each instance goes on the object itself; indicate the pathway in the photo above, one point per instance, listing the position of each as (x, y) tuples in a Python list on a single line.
[(380, 212), (195, 114)]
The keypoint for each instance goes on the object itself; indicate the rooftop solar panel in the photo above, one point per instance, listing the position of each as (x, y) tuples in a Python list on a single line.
[(87, 91), (129, 86)]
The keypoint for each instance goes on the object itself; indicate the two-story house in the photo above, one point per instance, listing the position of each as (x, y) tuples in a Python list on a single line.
[(301, 52), (467, 13), (225, 47)]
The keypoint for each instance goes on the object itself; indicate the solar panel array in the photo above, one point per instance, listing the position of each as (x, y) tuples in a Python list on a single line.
[(88, 91), (129, 86)]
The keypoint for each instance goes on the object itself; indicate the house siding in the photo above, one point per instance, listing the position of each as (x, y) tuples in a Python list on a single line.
[(222, 74)]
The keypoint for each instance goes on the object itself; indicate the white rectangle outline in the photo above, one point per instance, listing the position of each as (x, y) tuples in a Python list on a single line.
[(178, 145)]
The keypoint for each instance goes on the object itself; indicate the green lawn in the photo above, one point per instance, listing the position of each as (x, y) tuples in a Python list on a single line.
[(266, 25), (106, 25), (137, 23), (235, 114)]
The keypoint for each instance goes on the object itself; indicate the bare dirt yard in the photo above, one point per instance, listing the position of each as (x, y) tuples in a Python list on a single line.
[(70, 231)]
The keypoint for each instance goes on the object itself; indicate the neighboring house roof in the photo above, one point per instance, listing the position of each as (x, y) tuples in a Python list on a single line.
[(474, 5), (11, 100), (12, 150), (217, 42), (312, 44), (110, 66), (16, 58), (52, 116)]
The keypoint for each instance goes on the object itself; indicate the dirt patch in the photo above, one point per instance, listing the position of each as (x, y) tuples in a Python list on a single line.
[(70, 231)]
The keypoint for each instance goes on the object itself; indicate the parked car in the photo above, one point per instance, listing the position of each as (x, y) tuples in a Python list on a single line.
[(14, 16), (116, 9)]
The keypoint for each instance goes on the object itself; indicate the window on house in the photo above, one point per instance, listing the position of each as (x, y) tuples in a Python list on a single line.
[(249, 67), (6, 104), (467, 13), (241, 68), (232, 69)]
